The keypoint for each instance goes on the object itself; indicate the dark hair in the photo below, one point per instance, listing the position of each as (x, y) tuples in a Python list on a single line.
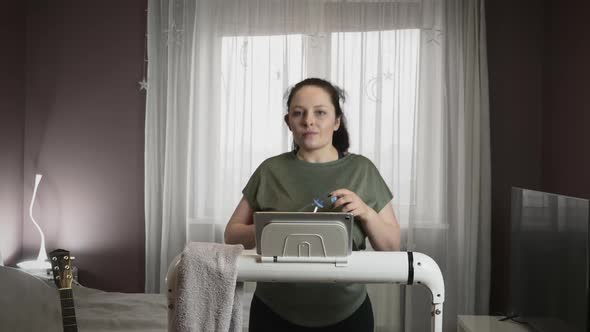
[(340, 139)]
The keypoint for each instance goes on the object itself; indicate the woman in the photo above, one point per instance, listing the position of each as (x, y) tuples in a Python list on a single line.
[(319, 164)]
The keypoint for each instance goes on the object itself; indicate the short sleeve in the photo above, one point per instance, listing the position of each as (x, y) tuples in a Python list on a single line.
[(382, 193), (250, 191)]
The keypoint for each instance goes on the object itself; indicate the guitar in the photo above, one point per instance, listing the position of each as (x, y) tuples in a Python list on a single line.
[(61, 266)]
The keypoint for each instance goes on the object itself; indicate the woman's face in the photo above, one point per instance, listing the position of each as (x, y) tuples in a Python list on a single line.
[(312, 118)]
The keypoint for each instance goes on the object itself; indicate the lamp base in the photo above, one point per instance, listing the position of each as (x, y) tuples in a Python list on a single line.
[(37, 268)]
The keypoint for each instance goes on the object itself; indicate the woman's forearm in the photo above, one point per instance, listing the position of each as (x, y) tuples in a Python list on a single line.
[(384, 235), (240, 234)]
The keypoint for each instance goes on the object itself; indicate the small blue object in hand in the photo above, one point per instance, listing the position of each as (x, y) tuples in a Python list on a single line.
[(319, 203)]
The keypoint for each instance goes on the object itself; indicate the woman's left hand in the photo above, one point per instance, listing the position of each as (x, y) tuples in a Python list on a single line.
[(351, 202), (381, 227)]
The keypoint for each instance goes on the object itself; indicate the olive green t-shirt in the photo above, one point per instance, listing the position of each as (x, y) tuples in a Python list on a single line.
[(285, 183)]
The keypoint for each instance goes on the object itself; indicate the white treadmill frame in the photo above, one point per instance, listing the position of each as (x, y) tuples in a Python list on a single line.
[(397, 267)]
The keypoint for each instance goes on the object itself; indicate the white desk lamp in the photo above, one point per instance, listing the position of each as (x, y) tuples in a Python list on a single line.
[(40, 265)]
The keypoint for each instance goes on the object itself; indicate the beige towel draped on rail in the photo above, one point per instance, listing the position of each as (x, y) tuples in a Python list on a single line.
[(208, 296)]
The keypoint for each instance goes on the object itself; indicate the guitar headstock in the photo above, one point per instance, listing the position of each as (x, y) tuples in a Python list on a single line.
[(61, 266)]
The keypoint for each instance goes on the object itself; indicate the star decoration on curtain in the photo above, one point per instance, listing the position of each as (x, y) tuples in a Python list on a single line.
[(434, 36), (143, 85), (316, 39), (174, 35)]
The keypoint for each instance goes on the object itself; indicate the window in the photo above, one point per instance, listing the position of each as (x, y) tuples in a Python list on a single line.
[(377, 69), (256, 72)]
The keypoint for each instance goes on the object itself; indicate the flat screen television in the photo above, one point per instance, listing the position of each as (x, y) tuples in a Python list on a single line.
[(549, 278)]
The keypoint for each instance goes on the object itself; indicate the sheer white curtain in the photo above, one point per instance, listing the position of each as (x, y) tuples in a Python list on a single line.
[(415, 75)]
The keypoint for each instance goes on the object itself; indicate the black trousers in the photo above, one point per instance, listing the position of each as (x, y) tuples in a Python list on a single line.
[(263, 319)]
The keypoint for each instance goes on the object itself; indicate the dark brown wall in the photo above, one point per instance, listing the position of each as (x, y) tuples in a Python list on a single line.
[(12, 107), (84, 127), (515, 58), (539, 111), (566, 128)]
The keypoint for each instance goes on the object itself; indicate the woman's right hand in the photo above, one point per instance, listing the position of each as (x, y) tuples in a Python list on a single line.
[(240, 228)]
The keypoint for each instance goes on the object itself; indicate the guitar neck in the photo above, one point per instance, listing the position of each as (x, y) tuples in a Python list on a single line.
[(68, 311)]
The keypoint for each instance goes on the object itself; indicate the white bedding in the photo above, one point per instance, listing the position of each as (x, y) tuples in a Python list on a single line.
[(31, 304), (104, 311)]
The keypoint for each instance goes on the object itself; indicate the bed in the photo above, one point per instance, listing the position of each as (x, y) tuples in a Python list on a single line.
[(30, 304)]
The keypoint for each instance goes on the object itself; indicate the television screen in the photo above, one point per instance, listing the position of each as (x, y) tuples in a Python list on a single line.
[(549, 261)]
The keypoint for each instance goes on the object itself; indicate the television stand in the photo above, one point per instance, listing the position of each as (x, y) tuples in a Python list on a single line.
[(468, 323)]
